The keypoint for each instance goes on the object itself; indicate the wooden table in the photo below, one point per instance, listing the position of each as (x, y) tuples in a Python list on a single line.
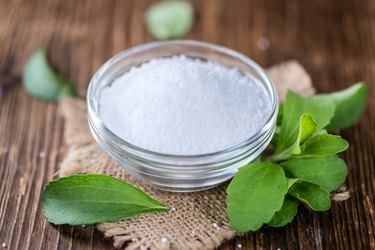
[(334, 40)]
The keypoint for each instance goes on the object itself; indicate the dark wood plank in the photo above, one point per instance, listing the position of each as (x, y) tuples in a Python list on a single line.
[(334, 40)]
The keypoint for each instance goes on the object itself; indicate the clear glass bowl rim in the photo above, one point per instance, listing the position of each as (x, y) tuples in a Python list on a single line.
[(95, 116)]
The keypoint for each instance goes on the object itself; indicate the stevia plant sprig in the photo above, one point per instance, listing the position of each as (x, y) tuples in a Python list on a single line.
[(303, 168)]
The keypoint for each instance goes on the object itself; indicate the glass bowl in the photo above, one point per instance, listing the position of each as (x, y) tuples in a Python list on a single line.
[(179, 173)]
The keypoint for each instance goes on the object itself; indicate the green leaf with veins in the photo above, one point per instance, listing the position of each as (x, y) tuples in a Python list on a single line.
[(321, 108), (40, 80), (93, 198), (254, 195), (350, 104), (306, 128), (313, 195), (322, 145), (170, 19), (285, 214), (329, 171)]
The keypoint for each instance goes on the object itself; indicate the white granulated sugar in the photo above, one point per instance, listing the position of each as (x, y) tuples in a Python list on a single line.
[(184, 106)]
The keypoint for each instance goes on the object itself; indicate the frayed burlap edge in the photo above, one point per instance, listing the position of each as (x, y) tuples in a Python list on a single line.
[(196, 220)]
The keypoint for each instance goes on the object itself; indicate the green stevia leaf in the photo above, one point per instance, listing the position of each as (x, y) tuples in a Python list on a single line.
[(93, 198), (321, 108), (329, 171), (40, 80), (292, 181), (321, 132), (285, 214), (254, 195), (170, 19), (315, 196), (306, 128), (350, 104), (275, 136), (322, 145), (280, 114)]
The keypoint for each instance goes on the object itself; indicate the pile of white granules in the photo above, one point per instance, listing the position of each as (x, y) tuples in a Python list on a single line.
[(184, 106)]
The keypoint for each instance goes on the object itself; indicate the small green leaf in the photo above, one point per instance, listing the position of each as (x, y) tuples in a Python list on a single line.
[(40, 80), (321, 108), (285, 214), (292, 181), (170, 19), (306, 128), (322, 145), (93, 198), (321, 132), (329, 171), (254, 195), (350, 104), (315, 196)]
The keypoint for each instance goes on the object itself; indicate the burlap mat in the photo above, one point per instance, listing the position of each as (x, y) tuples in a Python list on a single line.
[(196, 220)]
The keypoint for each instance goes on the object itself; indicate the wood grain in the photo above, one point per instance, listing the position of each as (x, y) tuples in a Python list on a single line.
[(335, 41)]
